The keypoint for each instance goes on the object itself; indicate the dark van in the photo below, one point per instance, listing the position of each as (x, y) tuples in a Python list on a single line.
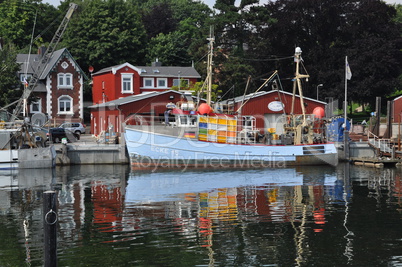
[(57, 134)]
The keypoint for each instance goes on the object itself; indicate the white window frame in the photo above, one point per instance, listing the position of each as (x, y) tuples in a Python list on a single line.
[(65, 81), (159, 80), (152, 82), (127, 78), (63, 99), (32, 105), (26, 76)]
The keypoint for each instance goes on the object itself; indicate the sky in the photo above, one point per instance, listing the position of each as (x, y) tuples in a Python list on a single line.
[(210, 3)]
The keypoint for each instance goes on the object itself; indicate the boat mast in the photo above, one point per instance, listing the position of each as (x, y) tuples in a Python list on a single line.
[(211, 40), (298, 78)]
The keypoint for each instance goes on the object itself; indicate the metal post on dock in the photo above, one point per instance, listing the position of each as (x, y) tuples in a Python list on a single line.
[(50, 219), (346, 144)]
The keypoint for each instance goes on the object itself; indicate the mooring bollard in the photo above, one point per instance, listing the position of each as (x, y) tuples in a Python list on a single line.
[(50, 219)]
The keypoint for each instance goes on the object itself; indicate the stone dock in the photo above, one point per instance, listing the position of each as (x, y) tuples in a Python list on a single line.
[(88, 151)]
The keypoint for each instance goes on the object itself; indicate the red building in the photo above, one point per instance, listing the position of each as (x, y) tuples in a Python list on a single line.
[(125, 80), (270, 107), (122, 90), (110, 115)]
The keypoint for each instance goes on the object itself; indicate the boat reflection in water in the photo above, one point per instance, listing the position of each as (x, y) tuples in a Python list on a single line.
[(287, 217), (26, 178)]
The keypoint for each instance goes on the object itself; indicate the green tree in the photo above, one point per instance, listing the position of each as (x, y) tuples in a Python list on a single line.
[(159, 19), (232, 34), (200, 89), (20, 18), (375, 55), (327, 31), (106, 33), (169, 49), (10, 85), (177, 29)]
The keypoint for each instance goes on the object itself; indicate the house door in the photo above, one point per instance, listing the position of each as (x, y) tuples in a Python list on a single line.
[(274, 121)]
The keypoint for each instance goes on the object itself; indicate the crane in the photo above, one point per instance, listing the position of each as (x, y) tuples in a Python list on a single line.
[(44, 61)]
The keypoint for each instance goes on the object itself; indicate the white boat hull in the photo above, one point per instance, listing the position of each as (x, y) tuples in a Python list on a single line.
[(148, 149), (31, 158)]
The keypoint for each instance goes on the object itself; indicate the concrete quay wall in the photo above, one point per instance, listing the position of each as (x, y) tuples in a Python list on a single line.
[(356, 150), (88, 151)]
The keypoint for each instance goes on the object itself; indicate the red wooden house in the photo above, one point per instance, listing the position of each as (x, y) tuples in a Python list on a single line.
[(125, 80), (59, 91), (122, 90), (109, 116)]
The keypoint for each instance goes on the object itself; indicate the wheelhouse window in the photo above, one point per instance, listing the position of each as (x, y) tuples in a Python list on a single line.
[(65, 105), (65, 80), (149, 82), (162, 83), (127, 83)]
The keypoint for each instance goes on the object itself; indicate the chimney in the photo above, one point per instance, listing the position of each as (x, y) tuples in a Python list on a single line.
[(156, 63), (42, 50)]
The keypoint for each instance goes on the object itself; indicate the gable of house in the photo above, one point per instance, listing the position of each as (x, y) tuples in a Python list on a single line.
[(59, 91)]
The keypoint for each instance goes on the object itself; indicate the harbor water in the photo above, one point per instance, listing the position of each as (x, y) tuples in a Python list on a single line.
[(111, 216)]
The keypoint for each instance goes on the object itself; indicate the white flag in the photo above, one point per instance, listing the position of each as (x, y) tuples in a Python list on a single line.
[(348, 71)]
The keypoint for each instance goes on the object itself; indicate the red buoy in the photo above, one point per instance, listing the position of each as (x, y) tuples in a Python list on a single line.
[(204, 108), (319, 112)]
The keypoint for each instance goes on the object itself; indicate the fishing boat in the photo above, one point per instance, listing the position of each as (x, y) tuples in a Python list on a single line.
[(21, 148), (198, 137)]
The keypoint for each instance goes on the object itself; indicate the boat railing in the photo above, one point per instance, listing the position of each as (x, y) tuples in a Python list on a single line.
[(11, 125), (382, 144)]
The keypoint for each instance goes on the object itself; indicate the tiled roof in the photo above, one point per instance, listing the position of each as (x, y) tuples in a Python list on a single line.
[(29, 63), (158, 71)]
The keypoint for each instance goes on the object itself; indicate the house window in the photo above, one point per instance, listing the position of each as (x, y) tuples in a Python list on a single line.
[(65, 80), (183, 82), (149, 82), (36, 106), (65, 105), (162, 82), (127, 83), (25, 77)]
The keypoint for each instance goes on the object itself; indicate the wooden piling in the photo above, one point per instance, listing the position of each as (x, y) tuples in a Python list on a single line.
[(50, 219)]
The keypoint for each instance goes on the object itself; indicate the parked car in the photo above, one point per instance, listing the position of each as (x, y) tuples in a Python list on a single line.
[(57, 134), (74, 127)]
